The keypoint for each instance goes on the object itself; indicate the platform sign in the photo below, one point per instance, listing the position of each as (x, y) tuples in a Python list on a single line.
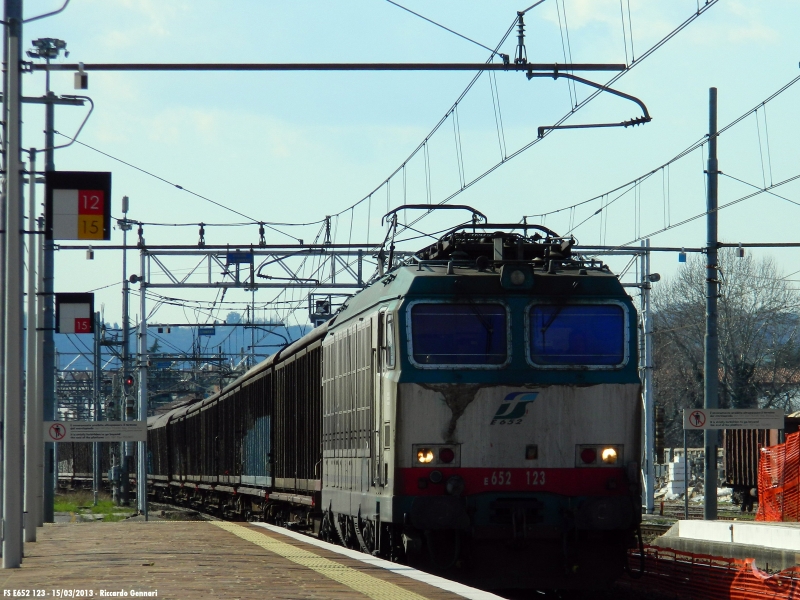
[(239, 258), (718, 418), (78, 205), (74, 313), (209, 331), (95, 431)]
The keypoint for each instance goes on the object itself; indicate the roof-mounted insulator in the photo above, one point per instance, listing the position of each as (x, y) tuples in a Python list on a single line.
[(327, 229), (522, 54)]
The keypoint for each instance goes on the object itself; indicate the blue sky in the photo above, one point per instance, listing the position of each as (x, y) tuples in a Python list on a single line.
[(294, 147)]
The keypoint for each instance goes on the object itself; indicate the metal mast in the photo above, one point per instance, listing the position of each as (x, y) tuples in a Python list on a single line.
[(649, 412), (33, 410), (141, 465), (711, 367), (14, 312), (124, 450)]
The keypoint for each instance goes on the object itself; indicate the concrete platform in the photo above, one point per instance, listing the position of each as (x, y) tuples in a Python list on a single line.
[(774, 546), (199, 559)]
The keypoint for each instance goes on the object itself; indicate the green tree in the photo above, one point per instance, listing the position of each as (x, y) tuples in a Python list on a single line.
[(759, 338)]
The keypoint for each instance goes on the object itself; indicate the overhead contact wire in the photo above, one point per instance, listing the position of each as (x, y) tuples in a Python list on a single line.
[(175, 185)]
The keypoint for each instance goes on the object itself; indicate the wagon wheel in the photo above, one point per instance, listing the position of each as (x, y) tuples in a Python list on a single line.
[(368, 534), (344, 527)]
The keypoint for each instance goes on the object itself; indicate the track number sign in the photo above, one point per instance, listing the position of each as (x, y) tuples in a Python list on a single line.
[(74, 313), (78, 205)]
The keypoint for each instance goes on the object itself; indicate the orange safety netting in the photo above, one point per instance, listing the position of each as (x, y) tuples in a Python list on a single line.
[(683, 575), (779, 481)]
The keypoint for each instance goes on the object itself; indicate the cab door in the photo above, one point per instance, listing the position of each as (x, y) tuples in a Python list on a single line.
[(377, 404), (383, 354), (388, 355)]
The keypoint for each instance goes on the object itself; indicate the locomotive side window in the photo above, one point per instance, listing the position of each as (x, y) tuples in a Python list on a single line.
[(459, 334), (584, 334), (389, 341)]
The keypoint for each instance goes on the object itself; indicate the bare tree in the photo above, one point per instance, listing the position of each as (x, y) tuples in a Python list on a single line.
[(759, 338)]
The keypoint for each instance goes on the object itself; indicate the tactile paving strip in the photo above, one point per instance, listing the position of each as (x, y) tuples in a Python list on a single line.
[(370, 586)]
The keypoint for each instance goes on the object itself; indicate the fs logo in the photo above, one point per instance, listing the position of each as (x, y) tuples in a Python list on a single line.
[(513, 408)]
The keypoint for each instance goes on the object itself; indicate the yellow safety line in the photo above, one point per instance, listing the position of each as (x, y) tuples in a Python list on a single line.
[(370, 586)]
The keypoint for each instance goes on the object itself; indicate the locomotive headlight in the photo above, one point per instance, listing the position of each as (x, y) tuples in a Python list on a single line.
[(424, 455), (517, 277), (609, 455)]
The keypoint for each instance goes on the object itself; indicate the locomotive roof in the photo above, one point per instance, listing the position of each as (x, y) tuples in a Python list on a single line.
[(472, 263)]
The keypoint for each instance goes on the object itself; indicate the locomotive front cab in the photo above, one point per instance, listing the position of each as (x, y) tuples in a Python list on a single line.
[(517, 422)]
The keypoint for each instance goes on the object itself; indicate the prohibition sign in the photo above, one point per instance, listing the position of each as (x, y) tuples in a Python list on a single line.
[(57, 431), (697, 419)]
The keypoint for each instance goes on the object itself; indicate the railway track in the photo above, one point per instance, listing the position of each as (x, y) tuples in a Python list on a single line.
[(696, 512), (653, 530)]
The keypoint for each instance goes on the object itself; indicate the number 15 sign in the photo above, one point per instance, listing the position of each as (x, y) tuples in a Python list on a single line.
[(78, 205)]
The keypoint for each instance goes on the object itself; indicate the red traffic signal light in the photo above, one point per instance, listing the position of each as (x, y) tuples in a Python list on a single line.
[(128, 382)]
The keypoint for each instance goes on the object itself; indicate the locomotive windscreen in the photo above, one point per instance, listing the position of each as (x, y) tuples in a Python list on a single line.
[(587, 334), (459, 334)]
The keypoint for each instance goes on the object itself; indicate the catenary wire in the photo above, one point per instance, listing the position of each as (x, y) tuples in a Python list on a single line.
[(175, 185), (424, 18)]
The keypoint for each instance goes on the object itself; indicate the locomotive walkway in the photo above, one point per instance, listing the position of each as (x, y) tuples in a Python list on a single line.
[(202, 559)]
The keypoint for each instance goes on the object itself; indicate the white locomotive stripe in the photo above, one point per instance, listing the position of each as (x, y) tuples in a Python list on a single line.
[(370, 586), (404, 570)]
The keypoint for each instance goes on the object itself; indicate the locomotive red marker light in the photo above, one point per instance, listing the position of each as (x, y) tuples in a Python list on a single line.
[(446, 455), (588, 455), (425, 455), (609, 455)]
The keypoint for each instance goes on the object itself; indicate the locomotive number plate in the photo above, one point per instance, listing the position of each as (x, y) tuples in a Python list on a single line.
[(534, 477), (504, 478)]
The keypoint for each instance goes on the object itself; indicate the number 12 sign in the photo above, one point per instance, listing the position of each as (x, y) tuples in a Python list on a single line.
[(78, 205)]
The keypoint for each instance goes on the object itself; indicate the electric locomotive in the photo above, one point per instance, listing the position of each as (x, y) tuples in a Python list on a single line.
[(475, 409)]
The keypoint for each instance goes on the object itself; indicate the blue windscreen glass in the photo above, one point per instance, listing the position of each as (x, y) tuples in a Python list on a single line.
[(459, 334), (588, 334)]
